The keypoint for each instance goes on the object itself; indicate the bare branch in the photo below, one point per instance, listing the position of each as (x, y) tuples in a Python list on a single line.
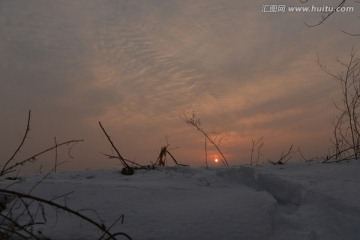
[(21, 144), (346, 141), (326, 16), (194, 121), (113, 146), (206, 154), (101, 227), (127, 160), (284, 157), (33, 157), (258, 144), (56, 155)]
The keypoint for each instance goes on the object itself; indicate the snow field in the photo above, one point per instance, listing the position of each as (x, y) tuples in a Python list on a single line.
[(295, 201)]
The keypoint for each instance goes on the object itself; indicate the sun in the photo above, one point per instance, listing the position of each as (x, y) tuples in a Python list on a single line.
[(216, 160)]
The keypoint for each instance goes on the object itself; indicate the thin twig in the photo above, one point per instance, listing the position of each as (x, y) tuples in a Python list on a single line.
[(21, 144), (56, 155), (258, 144), (196, 123), (175, 159), (56, 205), (113, 146), (325, 17), (14, 231), (127, 160), (206, 155), (283, 156), (5, 171), (121, 217)]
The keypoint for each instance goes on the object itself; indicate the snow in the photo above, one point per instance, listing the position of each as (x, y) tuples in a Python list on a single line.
[(295, 201)]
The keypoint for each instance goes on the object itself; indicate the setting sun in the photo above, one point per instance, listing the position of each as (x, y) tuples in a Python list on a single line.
[(216, 160)]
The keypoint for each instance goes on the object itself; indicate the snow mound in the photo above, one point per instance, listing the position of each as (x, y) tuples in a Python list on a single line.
[(301, 212)]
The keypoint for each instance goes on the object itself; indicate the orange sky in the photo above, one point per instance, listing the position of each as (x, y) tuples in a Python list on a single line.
[(137, 65)]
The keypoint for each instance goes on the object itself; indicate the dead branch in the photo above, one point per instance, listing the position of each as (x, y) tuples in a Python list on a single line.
[(335, 157), (351, 34), (121, 217), (302, 156), (259, 152), (346, 133), (258, 144), (16, 225), (101, 227), (33, 157), (284, 157), (161, 160), (127, 160), (44, 177), (127, 169), (21, 144), (326, 16), (206, 154), (56, 155), (175, 159), (26, 205), (194, 121)]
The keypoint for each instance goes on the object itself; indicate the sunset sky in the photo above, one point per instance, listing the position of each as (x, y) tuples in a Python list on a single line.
[(137, 65)]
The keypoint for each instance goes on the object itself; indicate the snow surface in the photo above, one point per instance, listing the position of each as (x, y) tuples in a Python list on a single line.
[(295, 201)]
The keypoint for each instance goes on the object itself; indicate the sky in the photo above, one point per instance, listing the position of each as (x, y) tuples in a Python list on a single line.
[(136, 66)]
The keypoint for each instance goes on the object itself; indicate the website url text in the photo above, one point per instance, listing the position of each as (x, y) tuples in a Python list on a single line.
[(298, 9)]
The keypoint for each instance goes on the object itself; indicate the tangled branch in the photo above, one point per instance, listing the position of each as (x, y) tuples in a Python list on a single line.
[(23, 196)]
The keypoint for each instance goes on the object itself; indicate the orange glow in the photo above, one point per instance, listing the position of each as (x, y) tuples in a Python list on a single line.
[(216, 160)]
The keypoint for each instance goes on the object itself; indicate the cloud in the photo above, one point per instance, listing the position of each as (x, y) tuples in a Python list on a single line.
[(137, 65)]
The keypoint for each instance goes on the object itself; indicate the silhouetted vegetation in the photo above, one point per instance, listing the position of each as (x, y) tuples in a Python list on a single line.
[(195, 122), (346, 133), (21, 212)]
